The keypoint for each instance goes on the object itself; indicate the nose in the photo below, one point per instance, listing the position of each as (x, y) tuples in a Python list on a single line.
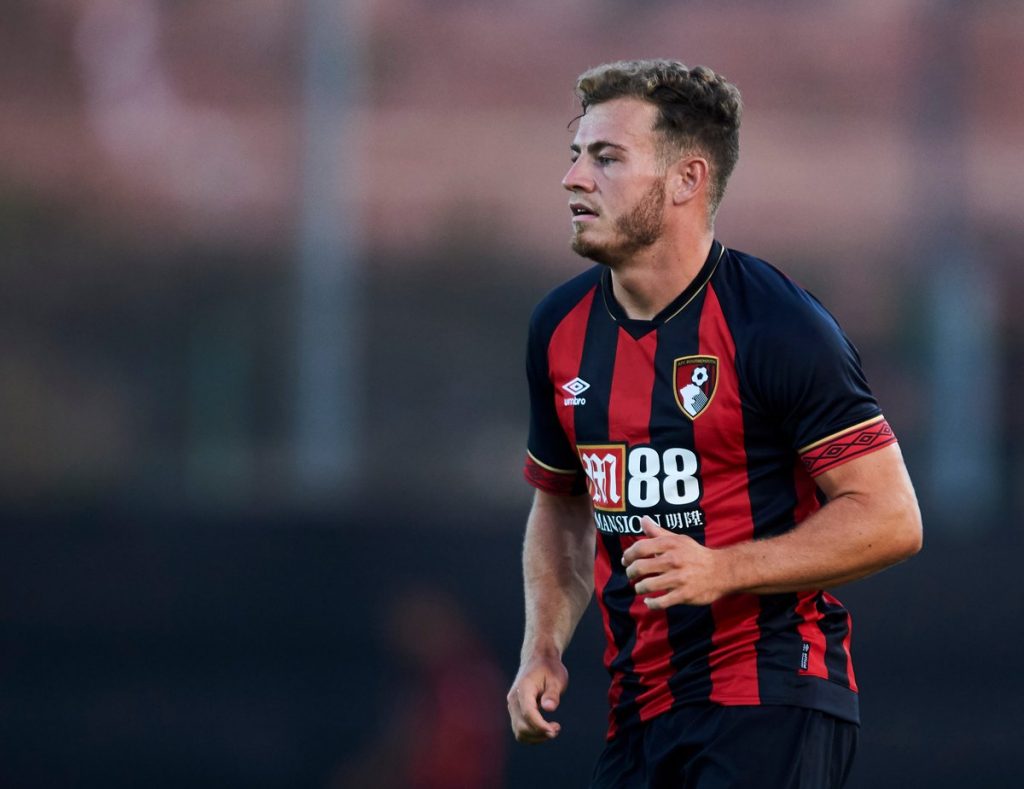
[(576, 179)]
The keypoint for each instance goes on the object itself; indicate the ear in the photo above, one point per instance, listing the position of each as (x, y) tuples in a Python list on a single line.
[(688, 178)]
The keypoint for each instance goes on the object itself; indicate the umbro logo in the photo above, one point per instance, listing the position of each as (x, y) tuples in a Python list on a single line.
[(575, 387)]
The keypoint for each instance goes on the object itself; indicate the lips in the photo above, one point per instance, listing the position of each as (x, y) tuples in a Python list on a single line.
[(581, 211)]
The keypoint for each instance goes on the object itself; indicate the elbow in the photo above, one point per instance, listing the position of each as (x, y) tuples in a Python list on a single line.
[(908, 531)]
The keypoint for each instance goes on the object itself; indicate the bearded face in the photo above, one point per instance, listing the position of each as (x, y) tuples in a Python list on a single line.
[(617, 180), (636, 228)]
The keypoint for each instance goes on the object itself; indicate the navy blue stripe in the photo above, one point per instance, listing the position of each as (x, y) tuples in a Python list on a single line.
[(779, 649), (772, 495), (834, 625), (591, 422), (617, 596), (689, 627)]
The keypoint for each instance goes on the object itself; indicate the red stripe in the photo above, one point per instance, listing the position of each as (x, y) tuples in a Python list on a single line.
[(629, 401), (629, 414), (565, 353), (846, 642), (602, 572), (555, 482), (809, 626), (719, 441), (811, 634)]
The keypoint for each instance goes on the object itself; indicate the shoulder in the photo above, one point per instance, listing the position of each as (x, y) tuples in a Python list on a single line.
[(762, 304), (557, 304)]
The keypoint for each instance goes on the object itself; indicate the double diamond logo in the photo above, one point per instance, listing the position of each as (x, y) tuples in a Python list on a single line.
[(576, 386)]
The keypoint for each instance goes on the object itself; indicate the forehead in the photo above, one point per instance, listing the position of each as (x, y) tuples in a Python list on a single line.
[(628, 122)]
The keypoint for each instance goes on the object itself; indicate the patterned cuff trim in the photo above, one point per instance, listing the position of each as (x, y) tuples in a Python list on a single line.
[(854, 443)]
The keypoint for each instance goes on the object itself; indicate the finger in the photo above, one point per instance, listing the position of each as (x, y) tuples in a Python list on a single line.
[(533, 721), (523, 731), (657, 583), (662, 601), (642, 549), (643, 567), (552, 695), (531, 737), (531, 733), (652, 529), (549, 701)]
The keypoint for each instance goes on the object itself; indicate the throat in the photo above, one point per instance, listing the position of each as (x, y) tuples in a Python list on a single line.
[(643, 295)]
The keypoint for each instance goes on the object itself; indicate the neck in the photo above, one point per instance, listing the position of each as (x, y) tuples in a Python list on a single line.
[(649, 281)]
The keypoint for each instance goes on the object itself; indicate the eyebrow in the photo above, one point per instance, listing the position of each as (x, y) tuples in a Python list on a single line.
[(597, 145)]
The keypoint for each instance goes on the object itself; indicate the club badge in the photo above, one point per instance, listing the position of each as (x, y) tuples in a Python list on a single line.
[(696, 378)]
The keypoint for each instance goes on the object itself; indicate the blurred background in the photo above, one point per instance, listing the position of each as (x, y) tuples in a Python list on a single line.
[(266, 268)]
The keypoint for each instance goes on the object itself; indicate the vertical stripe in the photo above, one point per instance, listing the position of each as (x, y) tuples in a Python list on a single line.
[(565, 356), (808, 616), (719, 441), (689, 627), (850, 678), (629, 401), (602, 574), (615, 596), (629, 410), (809, 628), (839, 630)]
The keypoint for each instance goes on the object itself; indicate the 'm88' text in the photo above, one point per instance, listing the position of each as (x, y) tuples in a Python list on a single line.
[(643, 477)]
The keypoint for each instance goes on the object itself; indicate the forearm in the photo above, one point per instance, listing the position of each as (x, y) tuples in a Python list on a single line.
[(558, 572), (851, 537)]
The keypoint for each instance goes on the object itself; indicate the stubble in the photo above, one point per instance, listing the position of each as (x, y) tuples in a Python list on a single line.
[(637, 229)]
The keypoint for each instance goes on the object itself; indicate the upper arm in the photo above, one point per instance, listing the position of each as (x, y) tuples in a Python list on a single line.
[(879, 482), (569, 513)]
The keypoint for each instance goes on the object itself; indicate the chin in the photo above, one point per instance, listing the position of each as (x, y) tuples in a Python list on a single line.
[(597, 253)]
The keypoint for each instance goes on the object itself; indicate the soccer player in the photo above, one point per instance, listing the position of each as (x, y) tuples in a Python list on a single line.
[(707, 457)]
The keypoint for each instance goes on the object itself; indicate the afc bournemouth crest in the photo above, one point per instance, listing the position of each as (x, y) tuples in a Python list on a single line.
[(696, 378)]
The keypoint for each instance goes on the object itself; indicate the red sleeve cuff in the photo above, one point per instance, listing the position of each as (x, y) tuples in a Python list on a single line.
[(552, 480), (847, 445)]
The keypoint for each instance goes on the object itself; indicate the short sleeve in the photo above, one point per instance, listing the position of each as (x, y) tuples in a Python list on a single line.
[(551, 462), (809, 380)]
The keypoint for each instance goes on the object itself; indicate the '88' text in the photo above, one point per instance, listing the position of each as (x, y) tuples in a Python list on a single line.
[(646, 477)]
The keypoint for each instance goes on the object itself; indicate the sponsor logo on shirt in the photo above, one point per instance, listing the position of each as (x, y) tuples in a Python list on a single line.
[(605, 466), (641, 478), (575, 387)]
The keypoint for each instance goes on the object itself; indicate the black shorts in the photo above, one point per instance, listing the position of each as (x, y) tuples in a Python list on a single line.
[(707, 746)]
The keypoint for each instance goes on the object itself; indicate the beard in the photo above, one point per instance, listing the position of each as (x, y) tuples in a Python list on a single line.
[(637, 229)]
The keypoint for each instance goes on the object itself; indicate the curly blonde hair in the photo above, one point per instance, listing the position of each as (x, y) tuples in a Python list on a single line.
[(699, 111)]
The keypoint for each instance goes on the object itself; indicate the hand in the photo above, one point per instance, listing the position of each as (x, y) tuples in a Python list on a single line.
[(674, 564), (538, 686)]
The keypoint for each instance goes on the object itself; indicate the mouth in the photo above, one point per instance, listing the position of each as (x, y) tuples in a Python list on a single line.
[(582, 212)]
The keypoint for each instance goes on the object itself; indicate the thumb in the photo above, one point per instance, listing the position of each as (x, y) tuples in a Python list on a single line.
[(652, 529), (552, 695)]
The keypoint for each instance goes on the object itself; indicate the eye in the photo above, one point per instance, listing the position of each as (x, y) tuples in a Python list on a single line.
[(605, 160)]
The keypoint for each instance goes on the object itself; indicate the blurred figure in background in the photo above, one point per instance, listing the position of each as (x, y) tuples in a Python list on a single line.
[(699, 409), (444, 730)]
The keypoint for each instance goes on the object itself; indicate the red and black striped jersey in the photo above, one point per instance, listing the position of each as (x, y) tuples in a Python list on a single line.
[(713, 418)]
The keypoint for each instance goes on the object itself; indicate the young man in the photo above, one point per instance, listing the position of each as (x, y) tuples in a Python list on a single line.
[(706, 454)]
